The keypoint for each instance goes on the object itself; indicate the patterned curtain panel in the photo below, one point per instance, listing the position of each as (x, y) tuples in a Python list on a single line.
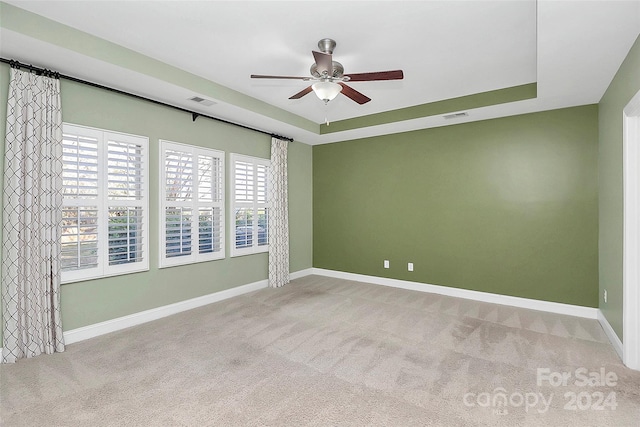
[(278, 215), (32, 217)]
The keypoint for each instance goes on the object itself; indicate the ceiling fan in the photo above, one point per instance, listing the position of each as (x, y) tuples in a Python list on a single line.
[(330, 79)]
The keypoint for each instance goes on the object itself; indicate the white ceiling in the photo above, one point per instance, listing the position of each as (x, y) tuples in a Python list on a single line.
[(447, 49)]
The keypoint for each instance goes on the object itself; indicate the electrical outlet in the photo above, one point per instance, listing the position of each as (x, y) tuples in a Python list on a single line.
[(386, 263), (410, 266), (605, 295)]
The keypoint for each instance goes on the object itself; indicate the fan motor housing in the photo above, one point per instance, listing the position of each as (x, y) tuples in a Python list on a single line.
[(338, 70)]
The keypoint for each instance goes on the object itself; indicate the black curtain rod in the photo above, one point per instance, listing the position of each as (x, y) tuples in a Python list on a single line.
[(194, 115)]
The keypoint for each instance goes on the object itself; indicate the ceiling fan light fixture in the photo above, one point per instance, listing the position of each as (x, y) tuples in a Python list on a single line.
[(326, 72), (326, 91)]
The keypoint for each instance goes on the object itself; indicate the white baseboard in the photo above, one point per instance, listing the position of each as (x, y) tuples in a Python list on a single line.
[(532, 304), (552, 307), (119, 323), (301, 273), (113, 325), (611, 334), (91, 331)]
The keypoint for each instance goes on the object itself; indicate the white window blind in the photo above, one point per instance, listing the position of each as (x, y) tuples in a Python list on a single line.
[(79, 240), (192, 195), (249, 205), (105, 203)]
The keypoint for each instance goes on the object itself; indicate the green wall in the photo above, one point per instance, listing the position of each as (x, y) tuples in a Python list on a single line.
[(89, 302), (624, 86), (507, 206)]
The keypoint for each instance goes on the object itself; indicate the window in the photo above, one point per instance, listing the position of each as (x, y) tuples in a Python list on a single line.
[(249, 205), (105, 203), (192, 199)]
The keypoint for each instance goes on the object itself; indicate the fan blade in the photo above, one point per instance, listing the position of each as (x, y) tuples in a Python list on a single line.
[(379, 75), (259, 76), (350, 92), (323, 62), (302, 93)]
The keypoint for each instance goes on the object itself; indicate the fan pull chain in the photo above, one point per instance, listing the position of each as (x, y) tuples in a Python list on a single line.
[(326, 120)]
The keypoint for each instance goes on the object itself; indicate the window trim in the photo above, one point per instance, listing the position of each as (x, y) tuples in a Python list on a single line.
[(102, 203), (255, 248), (195, 257)]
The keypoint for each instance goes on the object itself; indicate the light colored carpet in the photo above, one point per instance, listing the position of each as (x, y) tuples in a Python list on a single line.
[(326, 352)]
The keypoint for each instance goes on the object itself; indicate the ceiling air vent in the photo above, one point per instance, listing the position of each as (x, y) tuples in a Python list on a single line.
[(455, 115), (202, 101)]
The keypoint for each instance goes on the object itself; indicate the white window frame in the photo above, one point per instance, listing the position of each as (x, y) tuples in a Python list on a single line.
[(102, 203), (195, 204), (255, 205)]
